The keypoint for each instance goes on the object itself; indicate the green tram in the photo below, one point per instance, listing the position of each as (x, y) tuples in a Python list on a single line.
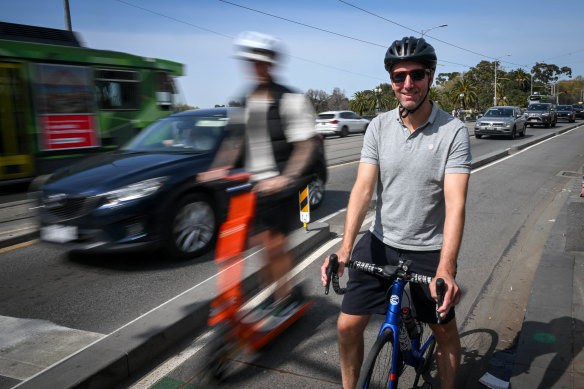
[(60, 101)]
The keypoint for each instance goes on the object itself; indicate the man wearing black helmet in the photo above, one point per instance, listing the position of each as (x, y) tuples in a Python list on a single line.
[(418, 157)]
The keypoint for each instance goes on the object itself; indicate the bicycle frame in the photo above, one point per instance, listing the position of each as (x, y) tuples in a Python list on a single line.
[(405, 350), (393, 320)]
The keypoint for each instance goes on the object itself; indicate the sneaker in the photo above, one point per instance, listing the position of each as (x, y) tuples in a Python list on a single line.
[(283, 309), (259, 312)]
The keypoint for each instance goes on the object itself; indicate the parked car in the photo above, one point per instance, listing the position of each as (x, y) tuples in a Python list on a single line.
[(501, 120), (579, 110), (566, 112), (340, 123), (146, 195), (541, 114)]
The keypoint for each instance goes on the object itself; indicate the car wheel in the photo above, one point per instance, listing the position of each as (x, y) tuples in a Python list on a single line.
[(478, 136), (192, 227), (344, 131), (522, 133), (513, 134), (316, 191)]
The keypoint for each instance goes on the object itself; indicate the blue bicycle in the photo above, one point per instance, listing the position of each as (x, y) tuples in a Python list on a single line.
[(402, 341)]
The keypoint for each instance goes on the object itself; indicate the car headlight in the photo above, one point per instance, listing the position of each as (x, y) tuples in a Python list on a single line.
[(131, 192), (545, 114), (507, 124)]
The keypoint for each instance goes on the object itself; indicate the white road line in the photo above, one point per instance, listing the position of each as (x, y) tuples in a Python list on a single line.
[(521, 151)]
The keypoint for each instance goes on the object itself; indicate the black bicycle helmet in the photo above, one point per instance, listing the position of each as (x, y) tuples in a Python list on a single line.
[(410, 49)]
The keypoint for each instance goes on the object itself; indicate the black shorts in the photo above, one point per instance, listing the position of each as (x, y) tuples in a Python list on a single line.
[(279, 213), (367, 294)]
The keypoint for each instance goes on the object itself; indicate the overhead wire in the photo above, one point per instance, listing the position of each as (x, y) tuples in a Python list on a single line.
[(232, 38), (322, 29), (416, 31)]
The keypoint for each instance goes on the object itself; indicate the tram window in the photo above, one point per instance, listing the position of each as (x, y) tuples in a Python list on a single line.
[(117, 89)]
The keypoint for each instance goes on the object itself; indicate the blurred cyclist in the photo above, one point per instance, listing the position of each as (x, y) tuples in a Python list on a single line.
[(277, 149)]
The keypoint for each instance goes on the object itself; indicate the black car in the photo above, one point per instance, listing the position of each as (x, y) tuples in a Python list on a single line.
[(579, 110), (566, 112), (145, 195)]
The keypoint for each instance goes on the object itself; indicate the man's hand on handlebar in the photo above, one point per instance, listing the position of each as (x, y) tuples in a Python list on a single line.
[(213, 174), (451, 293), (273, 185), (343, 259)]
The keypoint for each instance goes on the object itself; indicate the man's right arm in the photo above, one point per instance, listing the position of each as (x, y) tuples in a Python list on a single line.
[(359, 202)]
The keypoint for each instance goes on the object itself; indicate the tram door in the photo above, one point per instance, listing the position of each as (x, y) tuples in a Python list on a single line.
[(16, 154)]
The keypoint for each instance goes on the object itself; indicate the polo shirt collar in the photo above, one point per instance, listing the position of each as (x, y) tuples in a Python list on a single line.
[(430, 120)]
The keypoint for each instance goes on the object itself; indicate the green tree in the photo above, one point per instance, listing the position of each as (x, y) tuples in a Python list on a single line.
[(549, 73), (360, 102), (468, 90)]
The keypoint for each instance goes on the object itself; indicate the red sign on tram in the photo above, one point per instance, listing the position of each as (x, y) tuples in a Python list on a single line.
[(69, 131)]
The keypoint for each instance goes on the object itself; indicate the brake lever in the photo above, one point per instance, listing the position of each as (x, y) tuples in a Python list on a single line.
[(440, 292), (332, 268)]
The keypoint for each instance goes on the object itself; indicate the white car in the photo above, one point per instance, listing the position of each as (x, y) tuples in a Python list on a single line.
[(340, 123)]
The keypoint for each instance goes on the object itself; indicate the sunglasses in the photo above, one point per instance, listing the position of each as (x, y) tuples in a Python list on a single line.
[(415, 75)]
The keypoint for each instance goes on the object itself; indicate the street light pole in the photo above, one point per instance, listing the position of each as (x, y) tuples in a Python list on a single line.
[(428, 29), (496, 60), (67, 14), (377, 92)]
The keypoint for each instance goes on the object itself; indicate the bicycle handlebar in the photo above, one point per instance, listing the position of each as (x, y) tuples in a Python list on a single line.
[(401, 270)]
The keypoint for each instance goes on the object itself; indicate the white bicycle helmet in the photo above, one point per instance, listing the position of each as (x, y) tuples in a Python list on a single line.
[(255, 46)]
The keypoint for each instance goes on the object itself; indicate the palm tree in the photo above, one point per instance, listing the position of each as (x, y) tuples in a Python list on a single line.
[(521, 77), (360, 102), (468, 90)]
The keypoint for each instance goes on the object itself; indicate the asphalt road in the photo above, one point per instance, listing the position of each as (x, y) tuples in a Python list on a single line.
[(94, 295), (511, 207)]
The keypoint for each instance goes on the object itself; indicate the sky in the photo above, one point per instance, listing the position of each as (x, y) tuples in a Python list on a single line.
[(328, 43)]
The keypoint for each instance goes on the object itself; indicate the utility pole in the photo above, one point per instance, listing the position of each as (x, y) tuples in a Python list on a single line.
[(67, 15)]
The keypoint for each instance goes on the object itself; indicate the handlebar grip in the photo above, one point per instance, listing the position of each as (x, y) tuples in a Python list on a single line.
[(332, 268), (440, 292)]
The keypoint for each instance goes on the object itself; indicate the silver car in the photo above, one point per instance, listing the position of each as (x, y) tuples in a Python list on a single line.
[(340, 123), (505, 120)]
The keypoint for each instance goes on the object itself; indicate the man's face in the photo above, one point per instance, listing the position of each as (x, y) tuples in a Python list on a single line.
[(262, 71), (413, 88)]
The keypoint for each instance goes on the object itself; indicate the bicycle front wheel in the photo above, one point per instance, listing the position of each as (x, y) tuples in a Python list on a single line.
[(376, 371)]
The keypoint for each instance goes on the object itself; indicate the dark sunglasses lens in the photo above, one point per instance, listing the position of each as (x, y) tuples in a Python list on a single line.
[(399, 77), (418, 74)]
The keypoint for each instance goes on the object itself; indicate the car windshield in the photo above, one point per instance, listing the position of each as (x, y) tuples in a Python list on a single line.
[(499, 112), (577, 106), (180, 134), (538, 107), (326, 116), (564, 107)]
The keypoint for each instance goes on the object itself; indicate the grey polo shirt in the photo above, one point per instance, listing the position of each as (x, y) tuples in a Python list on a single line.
[(410, 208)]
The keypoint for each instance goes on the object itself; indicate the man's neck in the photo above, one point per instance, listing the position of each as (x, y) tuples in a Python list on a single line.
[(416, 119)]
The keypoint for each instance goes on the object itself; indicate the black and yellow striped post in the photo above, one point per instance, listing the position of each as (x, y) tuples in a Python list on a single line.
[(304, 206)]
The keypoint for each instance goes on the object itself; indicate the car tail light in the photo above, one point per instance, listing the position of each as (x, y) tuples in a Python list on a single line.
[(334, 122)]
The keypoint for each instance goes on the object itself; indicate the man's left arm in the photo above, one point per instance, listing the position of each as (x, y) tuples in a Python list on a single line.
[(299, 120), (455, 189)]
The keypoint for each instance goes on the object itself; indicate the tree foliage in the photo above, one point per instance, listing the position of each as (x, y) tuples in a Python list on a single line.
[(549, 73), (322, 101)]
